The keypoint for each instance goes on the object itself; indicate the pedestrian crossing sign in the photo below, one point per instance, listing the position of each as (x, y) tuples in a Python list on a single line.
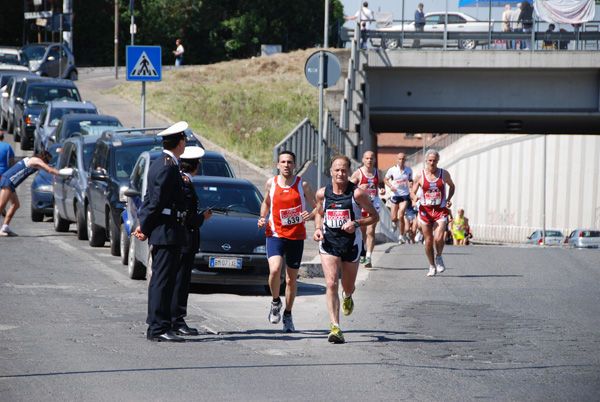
[(144, 63)]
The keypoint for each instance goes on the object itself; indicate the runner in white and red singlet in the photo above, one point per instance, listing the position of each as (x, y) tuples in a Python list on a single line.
[(399, 178), (367, 179), (433, 211), (285, 230)]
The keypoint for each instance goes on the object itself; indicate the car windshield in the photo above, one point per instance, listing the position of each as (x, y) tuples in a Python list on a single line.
[(125, 158), (214, 168), (57, 113), (54, 151), (228, 197), (85, 126), (10, 60), (39, 95), (35, 52)]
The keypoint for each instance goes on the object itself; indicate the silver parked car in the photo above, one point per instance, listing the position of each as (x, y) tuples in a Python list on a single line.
[(553, 238), (588, 238), (50, 116), (51, 60)]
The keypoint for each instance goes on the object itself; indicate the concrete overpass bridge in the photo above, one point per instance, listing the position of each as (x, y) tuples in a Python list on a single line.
[(485, 91)]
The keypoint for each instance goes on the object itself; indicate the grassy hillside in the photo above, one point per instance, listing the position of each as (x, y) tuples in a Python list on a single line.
[(246, 106)]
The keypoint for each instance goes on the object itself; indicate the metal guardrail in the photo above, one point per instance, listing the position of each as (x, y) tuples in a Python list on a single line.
[(303, 141), (587, 37)]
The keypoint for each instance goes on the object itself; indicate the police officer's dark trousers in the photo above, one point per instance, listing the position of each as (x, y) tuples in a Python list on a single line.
[(165, 265), (182, 290)]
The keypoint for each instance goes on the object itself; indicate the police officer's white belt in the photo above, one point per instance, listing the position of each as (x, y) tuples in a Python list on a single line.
[(167, 211)]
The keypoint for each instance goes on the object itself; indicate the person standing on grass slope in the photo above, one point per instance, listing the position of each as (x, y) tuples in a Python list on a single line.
[(336, 229), (399, 178), (178, 53), (433, 210), (285, 231), (13, 177), (367, 178)]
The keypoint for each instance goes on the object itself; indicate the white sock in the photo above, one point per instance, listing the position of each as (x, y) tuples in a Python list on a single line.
[(369, 255), (5, 228)]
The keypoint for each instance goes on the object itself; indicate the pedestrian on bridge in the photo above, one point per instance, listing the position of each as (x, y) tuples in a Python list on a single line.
[(337, 221), (365, 16), (433, 210)]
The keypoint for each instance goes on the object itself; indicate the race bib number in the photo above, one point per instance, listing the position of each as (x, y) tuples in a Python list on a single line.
[(371, 192), (291, 216), (433, 196), (335, 218), (401, 183)]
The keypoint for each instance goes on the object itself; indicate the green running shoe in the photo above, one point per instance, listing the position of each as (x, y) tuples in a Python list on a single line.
[(363, 260), (335, 336), (368, 263), (347, 305)]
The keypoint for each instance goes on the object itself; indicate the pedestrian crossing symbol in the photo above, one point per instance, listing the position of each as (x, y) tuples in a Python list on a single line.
[(144, 63)]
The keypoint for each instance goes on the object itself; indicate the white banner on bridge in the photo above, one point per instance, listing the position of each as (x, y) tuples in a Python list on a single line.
[(565, 11)]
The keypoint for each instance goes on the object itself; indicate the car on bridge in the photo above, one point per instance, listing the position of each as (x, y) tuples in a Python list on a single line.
[(436, 21), (553, 237), (584, 238)]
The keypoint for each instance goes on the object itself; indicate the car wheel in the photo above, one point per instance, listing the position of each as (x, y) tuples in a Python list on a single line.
[(467, 44), (16, 134), (390, 43), (96, 236), (9, 126), (115, 236), (135, 267), (36, 216), (2, 122), (81, 225), (24, 140), (60, 225), (124, 243), (73, 75)]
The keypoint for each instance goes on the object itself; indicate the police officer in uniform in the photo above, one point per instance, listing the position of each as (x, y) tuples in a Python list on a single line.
[(161, 222), (188, 164)]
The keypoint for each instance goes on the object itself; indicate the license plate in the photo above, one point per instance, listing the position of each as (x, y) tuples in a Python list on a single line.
[(225, 262)]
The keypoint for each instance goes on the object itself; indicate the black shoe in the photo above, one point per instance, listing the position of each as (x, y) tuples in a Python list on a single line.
[(186, 331), (166, 337)]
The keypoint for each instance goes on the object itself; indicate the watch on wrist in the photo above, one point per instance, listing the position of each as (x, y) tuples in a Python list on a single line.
[(356, 224)]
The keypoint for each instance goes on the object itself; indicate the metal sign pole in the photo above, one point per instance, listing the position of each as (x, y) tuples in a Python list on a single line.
[(321, 90)]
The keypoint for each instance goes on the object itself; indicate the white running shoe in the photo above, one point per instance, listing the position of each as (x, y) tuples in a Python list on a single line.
[(431, 271), (439, 264), (394, 226), (402, 239), (274, 313), (288, 324), (8, 233)]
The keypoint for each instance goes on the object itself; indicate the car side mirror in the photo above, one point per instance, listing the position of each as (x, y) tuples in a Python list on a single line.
[(51, 58), (132, 192), (5, 94), (98, 174)]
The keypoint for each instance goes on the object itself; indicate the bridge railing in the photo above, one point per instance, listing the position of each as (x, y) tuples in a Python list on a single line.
[(586, 37), (504, 233), (415, 160), (303, 141)]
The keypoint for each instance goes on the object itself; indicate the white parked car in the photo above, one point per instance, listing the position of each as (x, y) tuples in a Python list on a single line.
[(553, 238), (588, 238), (457, 22)]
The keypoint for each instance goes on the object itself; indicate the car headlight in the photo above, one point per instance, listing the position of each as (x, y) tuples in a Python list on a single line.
[(46, 188), (260, 249)]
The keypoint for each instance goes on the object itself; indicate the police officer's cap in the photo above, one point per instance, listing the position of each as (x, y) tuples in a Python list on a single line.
[(176, 129), (192, 152)]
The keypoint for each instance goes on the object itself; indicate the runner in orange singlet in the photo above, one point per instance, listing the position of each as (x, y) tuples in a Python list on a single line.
[(367, 179), (285, 230), (433, 211)]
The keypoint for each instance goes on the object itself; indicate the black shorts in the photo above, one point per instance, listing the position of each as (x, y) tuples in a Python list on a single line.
[(350, 253), (397, 199)]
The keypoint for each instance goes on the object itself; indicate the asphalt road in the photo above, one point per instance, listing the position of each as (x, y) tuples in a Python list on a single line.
[(502, 324)]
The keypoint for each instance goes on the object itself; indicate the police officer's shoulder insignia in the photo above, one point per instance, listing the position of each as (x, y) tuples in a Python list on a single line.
[(185, 178)]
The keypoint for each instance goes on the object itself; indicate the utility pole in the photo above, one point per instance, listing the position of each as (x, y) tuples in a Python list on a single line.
[(116, 39), (68, 10)]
